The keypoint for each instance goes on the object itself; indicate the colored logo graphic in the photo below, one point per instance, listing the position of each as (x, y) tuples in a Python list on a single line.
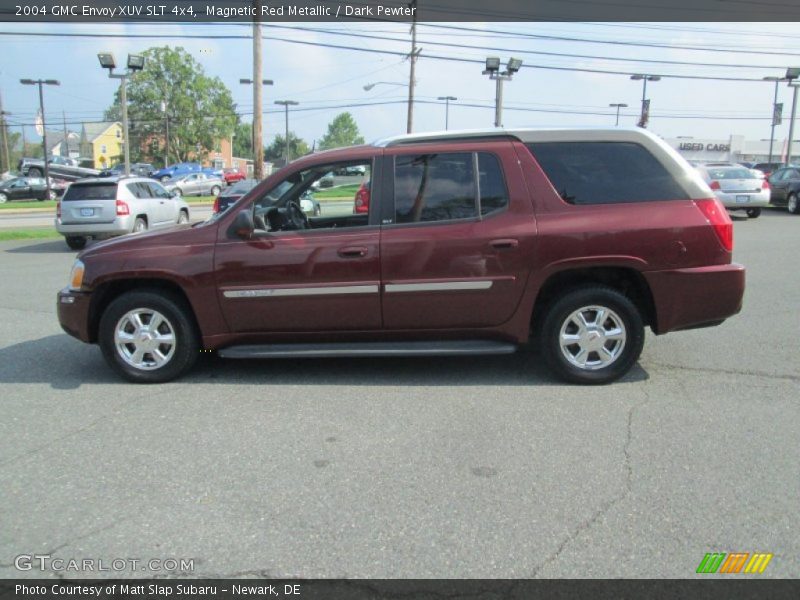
[(733, 562)]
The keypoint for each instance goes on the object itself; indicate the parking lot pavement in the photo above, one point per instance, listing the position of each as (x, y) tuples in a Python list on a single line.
[(469, 467)]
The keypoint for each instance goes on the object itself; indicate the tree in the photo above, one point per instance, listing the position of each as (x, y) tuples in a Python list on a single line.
[(277, 150), (200, 109), (342, 131), (243, 140)]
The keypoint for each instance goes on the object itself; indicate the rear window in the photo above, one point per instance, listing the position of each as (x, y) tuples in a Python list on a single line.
[(87, 191), (605, 172), (731, 174)]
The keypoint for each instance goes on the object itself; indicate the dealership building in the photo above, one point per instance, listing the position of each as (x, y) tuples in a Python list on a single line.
[(734, 149)]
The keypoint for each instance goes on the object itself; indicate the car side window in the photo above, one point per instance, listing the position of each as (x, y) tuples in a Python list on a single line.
[(494, 194), (434, 187), (156, 191), (137, 191)]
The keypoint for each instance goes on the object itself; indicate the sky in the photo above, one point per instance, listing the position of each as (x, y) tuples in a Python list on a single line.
[(549, 91)]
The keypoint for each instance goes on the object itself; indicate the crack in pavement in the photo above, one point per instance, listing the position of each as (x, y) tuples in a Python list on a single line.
[(608, 504), (725, 371)]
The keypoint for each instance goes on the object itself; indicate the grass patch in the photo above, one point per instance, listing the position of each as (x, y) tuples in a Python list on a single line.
[(346, 192), (199, 199), (28, 234), (28, 204)]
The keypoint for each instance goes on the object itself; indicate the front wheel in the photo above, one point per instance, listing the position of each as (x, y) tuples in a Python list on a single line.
[(792, 205), (34, 172), (165, 178), (76, 242), (183, 218), (148, 337), (3, 198), (591, 335), (753, 213)]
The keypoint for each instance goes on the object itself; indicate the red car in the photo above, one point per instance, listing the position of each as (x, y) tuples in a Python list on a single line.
[(473, 243), (233, 175), (361, 201)]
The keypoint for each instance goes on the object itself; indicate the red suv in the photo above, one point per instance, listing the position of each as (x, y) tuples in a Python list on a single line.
[(473, 243)]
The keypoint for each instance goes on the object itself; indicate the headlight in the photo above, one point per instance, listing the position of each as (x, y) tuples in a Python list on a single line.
[(76, 276)]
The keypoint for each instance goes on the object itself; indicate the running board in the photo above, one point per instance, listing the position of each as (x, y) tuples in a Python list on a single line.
[(441, 348)]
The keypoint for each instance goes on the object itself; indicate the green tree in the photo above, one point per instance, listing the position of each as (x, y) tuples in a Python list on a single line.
[(243, 140), (200, 108), (342, 131), (277, 149)]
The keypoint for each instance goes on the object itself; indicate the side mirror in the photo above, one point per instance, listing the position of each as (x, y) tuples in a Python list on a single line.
[(243, 225)]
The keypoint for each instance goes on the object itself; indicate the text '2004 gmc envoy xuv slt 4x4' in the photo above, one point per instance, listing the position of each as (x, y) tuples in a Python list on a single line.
[(474, 243)]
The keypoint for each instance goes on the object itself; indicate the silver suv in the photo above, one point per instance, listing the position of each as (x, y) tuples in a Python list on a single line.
[(104, 208)]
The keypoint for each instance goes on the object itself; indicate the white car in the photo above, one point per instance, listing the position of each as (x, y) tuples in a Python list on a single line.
[(738, 188), (108, 207)]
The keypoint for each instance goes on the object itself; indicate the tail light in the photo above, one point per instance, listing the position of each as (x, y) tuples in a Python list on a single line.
[(765, 185), (216, 205), (58, 209), (718, 217), (122, 208), (714, 185)]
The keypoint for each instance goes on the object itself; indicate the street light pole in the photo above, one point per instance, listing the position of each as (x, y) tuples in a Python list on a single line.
[(774, 105), (645, 116), (286, 104), (791, 75), (135, 63), (40, 83), (618, 106), (493, 71), (447, 100)]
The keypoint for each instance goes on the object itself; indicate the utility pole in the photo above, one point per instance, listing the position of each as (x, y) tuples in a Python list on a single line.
[(65, 148), (165, 109), (258, 146), (413, 62), (4, 133), (40, 83), (286, 104)]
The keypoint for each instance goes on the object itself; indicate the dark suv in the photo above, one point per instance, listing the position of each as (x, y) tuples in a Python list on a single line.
[(474, 243)]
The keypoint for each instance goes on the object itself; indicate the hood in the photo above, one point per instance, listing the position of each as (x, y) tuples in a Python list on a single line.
[(178, 235)]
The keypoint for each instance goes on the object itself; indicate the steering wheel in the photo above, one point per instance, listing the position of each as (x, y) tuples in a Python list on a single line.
[(296, 216)]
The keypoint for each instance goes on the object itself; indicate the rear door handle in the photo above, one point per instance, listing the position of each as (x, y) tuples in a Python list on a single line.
[(504, 244), (353, 252)]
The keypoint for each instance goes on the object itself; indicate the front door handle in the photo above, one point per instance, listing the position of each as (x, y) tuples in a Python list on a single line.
[(504, 244), (353, 252)]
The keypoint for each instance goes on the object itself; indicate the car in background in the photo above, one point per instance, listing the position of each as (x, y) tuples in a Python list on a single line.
[(26, 188), (232, 193), (137, 170), (57, 166), (213, 172), (361, 200), (352, 170), (232, 175), (738, 188), (101, 208), (196, 184), (175, 171), (326, 181), (785, 189), (767, 167)]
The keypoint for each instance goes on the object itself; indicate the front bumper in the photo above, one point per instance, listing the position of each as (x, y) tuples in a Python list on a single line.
[(688, 298), (73, 313)]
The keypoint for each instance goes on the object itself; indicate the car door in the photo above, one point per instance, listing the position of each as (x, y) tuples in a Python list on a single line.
[(779, 182), (19, 189), (458, 237), (322, 279), (165, 208)]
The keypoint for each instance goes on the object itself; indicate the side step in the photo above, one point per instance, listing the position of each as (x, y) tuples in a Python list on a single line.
[(440, 348)]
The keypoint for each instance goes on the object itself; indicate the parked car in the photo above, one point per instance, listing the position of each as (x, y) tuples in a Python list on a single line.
[(785, 188), (351, 170), (57, 166), (231, 194), (175, 171), (213, 172), (25, 188), (326, 181), (232, 176), (361, 200), (137, 170), (738, 188), (196, 184), (767, 168), (473, 241), (103, 208)]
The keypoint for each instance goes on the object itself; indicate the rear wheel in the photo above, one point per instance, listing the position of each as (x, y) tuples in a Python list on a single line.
[(753, 213), (165, 178), (148, 337), (591, 335), (177, 192), (183, 218), (76, 242), (140, 225), (3, 198), (34, 172), (792, 204)]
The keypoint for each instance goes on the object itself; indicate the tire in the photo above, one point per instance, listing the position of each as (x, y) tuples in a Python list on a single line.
[(317, 210), (165, 178), (140, 225), (183, 218), (35, 172), (215, 190), (143, 359), (753, 213), (177, 192), (3, 198), (76, 242), (577, 363), (792, 205)]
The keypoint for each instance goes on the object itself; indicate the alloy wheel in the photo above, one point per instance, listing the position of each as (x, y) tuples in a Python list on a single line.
[(592, 337), (145, 339)]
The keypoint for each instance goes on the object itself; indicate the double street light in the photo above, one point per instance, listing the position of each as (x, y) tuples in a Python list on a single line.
[(645, 117), (447, 100), (40, 83), (286, 104), (493, 71), (135, 63)]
